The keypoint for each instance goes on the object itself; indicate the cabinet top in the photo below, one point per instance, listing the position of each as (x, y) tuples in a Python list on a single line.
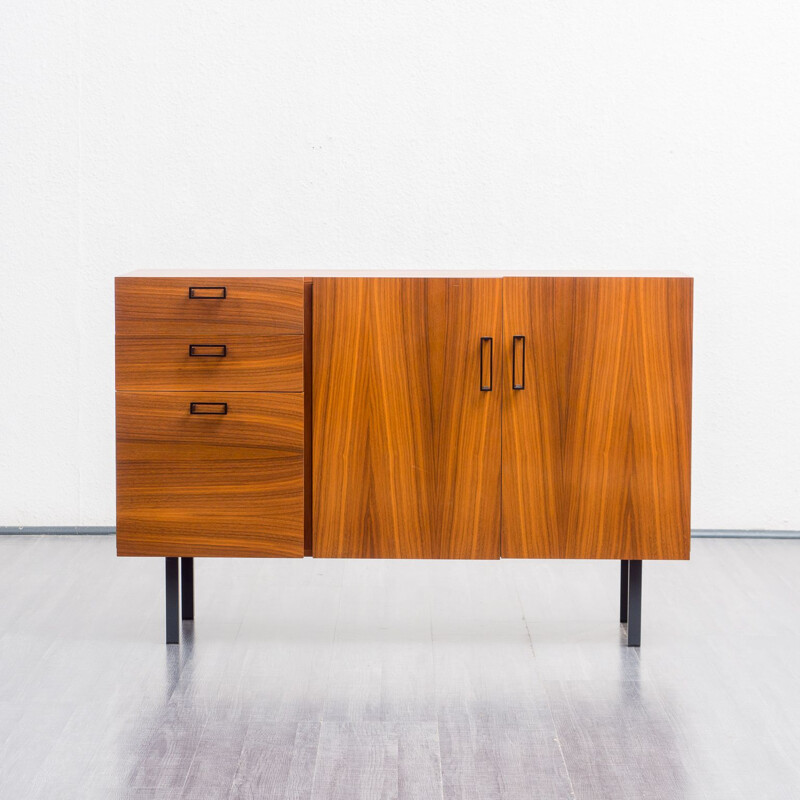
[(395, 273)]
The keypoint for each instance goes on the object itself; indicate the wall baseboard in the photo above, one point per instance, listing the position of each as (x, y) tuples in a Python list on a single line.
[(103, 530), (744, 534), (58, 530)]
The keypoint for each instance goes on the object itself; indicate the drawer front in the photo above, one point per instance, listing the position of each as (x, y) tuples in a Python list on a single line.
[(221, 362), (209, 474), (192, 306)]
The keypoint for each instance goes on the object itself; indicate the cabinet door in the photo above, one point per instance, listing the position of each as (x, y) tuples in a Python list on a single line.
[(406, 417), (596, 438)]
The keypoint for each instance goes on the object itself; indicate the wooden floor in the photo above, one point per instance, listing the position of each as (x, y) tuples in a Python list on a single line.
[(352, 679)]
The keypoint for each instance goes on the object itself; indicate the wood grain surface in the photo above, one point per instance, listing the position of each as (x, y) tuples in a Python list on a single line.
[(596, 448), (406, 446), (162, 306), (208, 485), (251, 363), (308, 299)]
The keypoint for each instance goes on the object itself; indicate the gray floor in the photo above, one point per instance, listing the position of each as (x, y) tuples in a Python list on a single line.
[(346, 679)]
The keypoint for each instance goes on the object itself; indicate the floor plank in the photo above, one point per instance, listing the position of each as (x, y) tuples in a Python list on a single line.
[(321, 679)]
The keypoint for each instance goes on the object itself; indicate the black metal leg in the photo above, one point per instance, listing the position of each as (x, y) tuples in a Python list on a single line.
[(634, 603), (187, 588), (173, 612), (623, 591)]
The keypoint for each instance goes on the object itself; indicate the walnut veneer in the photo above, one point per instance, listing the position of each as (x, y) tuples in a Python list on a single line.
[(406, 445), (447, 416), (211, 434), (596, 447)]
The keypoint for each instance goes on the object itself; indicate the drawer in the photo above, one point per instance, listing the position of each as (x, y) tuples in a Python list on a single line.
[(194, 306), (210, 363), (226, 480)]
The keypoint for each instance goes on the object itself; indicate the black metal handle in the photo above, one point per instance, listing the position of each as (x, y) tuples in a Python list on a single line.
[(208, 408), (487, 387), (514, 384), (208, 350), (208, 292)]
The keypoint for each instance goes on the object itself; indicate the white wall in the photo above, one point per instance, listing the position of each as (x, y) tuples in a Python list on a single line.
[(502, 134)]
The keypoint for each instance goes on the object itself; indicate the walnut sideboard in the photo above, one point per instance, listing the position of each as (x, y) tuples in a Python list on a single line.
[(365, 415)]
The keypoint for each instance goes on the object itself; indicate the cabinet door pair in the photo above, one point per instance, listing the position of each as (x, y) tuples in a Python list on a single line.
[(528, 417)]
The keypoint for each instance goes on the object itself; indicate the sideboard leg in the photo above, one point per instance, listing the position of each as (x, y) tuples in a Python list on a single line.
[(173, 612), (634, 603), (623, 591), (187, 588)]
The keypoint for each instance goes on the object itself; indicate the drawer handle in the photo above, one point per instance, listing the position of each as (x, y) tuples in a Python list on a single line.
[(208, 292), (487, 387), (208, 350), (515, 384), (208, 408)]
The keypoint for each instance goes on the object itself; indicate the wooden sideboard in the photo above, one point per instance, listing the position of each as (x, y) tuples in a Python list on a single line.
[(539, 415)]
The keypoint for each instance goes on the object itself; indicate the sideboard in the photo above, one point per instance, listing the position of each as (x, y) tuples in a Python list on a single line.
[(431, 415)]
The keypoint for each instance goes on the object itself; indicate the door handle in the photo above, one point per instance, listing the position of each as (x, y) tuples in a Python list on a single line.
[(208, 350), (208, 408), (208, 292), (515, 384), (486, 387)]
